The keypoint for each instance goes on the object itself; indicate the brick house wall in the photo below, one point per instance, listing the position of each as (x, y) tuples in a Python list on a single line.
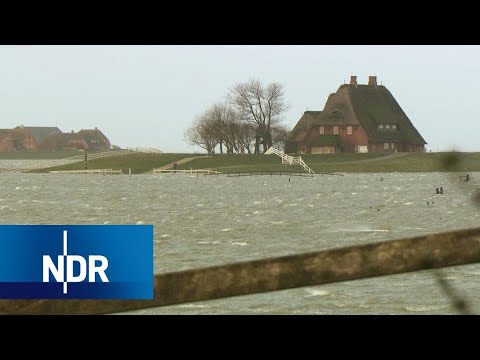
[(6, 144)]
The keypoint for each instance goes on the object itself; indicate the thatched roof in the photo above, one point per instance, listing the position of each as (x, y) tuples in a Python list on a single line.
[(4, 133), (41, 133), (365, 105), (308, 119), (93, 137), (375, 105)]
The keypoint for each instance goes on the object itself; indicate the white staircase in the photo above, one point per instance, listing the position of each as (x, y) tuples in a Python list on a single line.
[(287, 159)]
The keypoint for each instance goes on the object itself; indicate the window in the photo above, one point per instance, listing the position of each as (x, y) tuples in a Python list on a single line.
[(361, 148), (385, 146), (335, 129), (380, 127), (323, 150), (387, 126), (394, 126), (392, 146), (322, 130), (349, 130)]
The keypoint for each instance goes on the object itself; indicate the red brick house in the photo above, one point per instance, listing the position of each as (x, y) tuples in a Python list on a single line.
[(16, 139), (357, 118), (55, 142), (6, 142), (30, 138), (36, 136), (92, 140), (51, 138)]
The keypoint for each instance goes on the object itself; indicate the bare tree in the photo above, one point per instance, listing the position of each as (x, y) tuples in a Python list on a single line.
[(231, 129), (260, 105), (215, 116), (218, 125), (201, 133), (279, 135), (224, 123), (253, 114), (246, 136)]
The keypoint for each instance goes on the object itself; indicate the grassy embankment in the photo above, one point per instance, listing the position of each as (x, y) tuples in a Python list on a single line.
[(266, 163), (138, 162), (413, 162), (337, 163), (331, 163)]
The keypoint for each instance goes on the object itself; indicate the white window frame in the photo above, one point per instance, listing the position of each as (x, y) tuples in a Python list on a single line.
[(349, 129), (387, 126), (335, 130), (385, 146), (322, 130), (380, 127), (394, 127)]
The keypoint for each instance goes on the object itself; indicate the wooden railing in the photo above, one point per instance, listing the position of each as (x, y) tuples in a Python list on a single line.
[(187, 171), (88, 172), (288, 159), (322, 267), (99, 155), (145, 150)]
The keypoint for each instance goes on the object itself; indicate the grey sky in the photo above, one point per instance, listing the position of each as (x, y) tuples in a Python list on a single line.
[(146, 96)]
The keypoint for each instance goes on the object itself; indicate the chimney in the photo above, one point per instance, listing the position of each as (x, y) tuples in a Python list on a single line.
[(372, 80), (353, 80)]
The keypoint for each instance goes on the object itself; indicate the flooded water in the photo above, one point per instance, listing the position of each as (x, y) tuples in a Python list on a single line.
[(10, 165), (209, 220)]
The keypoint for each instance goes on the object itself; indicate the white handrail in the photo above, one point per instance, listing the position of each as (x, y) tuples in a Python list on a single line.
[(291, 160)]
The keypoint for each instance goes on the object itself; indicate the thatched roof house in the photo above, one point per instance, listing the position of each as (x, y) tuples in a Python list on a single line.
[(357, 118)]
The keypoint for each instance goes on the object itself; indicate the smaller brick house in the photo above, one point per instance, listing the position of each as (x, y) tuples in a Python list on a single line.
[(16, 139), (357, 118), (51, 138), (95, 140), (92, 140), (6, 141), (36, 136)]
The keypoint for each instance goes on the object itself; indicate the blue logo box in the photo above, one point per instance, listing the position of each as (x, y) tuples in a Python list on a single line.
[(76, 261)]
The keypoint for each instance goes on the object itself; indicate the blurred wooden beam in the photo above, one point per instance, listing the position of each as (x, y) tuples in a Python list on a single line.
[(258, 276)]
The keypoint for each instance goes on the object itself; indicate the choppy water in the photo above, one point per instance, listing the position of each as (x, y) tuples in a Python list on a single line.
[(210, 220), (30, 164)]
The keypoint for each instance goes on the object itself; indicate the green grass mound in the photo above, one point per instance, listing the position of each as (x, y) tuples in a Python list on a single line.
[(138, 162)]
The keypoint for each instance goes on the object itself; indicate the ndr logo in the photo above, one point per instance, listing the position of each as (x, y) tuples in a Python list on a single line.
[(92, 262), (64, 271)]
